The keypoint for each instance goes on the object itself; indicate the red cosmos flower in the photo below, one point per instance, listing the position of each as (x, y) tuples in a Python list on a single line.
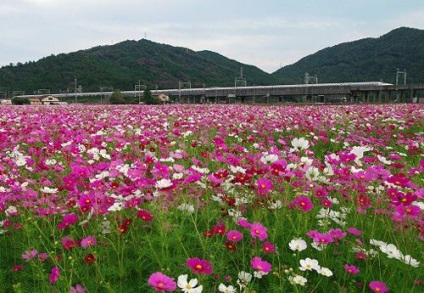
[(17, 268), (89, 259), (145, 215), (199, 266), (68, 243), (278, 167), (219, 229), (399, 180), (124, 226), (363, 201), (230, 245)]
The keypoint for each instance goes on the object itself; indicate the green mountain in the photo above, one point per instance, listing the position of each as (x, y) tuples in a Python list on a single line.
[(370, 59), (122, 65)]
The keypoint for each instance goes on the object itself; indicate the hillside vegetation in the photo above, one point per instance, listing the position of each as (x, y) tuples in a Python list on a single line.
[(122, 65), (370, 59)]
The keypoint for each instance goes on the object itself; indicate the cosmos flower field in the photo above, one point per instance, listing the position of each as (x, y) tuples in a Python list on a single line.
[(212, 198)]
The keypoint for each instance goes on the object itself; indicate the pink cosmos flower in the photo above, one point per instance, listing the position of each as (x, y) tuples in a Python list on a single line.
[(258, 231), (350, 269), (54, 275), (30, 254), (263, 186), (320, 238), (77, 289), (243, 223), (337, 233), (145, 215), (378, 287), (199, 266), (260, 265), (302, 203), (354, 231), (88, 241), (234, 236), (161, 282)]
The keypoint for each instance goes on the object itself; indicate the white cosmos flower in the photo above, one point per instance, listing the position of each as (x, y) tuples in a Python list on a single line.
[(269, 158), (163, 183), (21, 162), (384, 160), (185, 207), (188, 287), (299, 280), (359, 151), (226, 289), (298, 244), (325, 272), (376, 242), (410, 261), (299, 144), (47, 189), (244, 279), (308, 264), (391, 251)]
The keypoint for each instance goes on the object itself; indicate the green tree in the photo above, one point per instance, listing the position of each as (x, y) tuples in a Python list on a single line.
[(117, 97), (148, 98), (20, 101)]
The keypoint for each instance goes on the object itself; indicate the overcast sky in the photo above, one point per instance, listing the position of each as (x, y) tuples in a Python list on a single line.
[(266, 33)]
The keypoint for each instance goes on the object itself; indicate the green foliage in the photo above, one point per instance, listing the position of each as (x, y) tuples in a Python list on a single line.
[(20, 101)]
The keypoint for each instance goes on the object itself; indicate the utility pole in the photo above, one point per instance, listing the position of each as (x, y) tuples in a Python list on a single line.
[(398, 72), (138, 89), (76, 99), (182, 84)]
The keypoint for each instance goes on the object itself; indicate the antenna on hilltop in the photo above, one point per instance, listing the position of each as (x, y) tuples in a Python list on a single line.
[(145, 34)]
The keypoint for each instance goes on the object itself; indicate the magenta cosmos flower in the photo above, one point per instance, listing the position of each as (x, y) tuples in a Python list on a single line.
[(303, 203), (351, 270), (378, 287), (260, 265), (258, 231), (67, 221), (199, 266), (263, 186), (54, 275), (161, 282)]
